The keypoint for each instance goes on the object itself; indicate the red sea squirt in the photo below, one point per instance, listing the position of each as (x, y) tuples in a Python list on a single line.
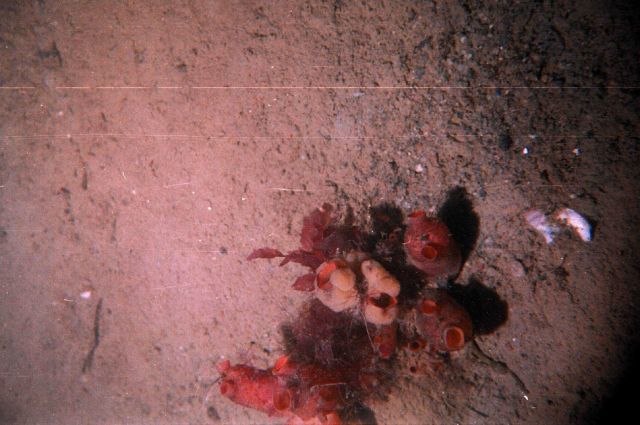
[(249, 387), (442, 322), (430, 247), (298, 392)]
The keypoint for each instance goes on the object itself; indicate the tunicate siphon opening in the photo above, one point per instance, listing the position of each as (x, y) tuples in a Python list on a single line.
[(454, 338), (429, 252), (282, 400), (428, 307), (383, 301)]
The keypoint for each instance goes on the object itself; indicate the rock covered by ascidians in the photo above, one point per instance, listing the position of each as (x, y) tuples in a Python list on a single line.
[(372, 298)]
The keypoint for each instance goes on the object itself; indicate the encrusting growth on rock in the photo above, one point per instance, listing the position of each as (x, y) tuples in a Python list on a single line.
[(339, 352)]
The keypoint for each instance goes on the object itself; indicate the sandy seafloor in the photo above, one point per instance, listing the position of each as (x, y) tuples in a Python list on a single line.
[(147, 147)]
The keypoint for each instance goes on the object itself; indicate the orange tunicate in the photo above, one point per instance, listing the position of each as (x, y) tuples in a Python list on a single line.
[(380, 304), (324, 272), (336, 285)]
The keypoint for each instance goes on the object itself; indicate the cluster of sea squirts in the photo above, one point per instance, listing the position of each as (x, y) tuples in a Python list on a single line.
[(373, 297)]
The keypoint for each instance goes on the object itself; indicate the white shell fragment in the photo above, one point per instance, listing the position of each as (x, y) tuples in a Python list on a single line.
[(85, 295), (538, 220), (576, 221)]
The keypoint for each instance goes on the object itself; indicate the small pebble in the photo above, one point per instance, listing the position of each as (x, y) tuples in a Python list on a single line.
[(516, 269), (419, 168)]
